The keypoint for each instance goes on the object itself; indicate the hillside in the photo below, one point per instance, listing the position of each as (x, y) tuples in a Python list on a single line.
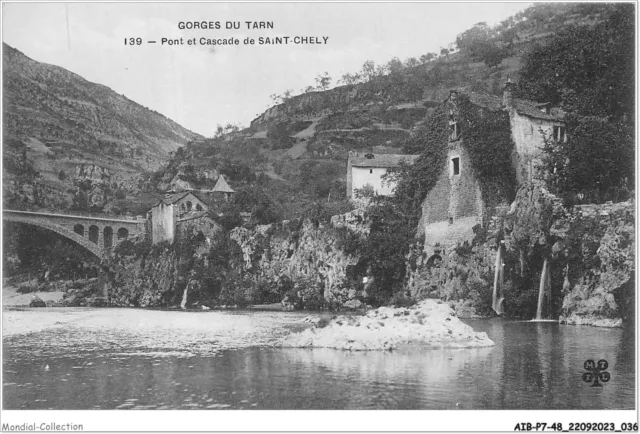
[(66, 137), (296, 151)]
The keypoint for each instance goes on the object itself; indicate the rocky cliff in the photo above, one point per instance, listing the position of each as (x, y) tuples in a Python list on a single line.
[(310, 256), (598, 245), (301, 262), (589, 251)]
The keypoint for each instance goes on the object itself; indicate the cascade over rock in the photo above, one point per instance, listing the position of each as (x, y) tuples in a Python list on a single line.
[(588, 251)]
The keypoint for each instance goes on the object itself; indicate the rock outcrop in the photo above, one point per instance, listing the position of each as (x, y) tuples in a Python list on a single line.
[(301, 262), (308, 254), (430, 323), (37, 302), (589, 250), (599, 246), (151, 280)]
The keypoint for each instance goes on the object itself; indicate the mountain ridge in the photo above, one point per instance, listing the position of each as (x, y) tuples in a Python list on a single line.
[(57, 125)]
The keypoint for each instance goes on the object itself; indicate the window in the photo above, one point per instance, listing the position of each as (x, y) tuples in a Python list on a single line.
[(558, 133), (528, 131), (369, 156), (454, 131), (455, 165), (370, 170), (450, 220)]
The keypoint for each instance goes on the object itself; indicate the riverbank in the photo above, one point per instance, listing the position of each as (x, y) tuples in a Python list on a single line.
[(430, 323), (169, 332), (11, 296)]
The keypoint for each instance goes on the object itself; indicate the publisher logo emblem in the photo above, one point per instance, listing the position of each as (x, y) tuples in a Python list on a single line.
[(596, 372)]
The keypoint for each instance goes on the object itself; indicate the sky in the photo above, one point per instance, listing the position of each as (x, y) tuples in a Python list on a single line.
[(201, 86)]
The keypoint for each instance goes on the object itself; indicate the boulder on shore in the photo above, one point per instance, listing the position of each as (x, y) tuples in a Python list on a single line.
[(431, 323), (37, 302)]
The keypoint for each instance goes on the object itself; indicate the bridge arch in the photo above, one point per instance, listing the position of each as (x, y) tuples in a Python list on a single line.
[(94, 234), (123, 234), (73, 236), (107, 236)]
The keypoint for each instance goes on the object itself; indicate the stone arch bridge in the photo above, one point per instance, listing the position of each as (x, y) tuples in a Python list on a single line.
[(96, 234)]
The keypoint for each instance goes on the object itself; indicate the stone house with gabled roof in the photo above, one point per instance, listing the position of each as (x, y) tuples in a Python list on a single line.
[(179, 183), (530, 123), (165, 215), (455, 204), (368, 169)]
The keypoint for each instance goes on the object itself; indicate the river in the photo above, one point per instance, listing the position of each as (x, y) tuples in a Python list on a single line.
[(81, 358)]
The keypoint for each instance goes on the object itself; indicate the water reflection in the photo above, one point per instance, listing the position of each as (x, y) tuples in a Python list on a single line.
[(533, 365)]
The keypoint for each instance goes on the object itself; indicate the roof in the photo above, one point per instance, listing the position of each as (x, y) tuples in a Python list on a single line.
[(195, 215), (173, 198), (536, 110), (381, 160), (222, 186), (522, 106)]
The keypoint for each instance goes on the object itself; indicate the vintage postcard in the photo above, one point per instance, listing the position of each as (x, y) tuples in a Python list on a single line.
[(303, 215)]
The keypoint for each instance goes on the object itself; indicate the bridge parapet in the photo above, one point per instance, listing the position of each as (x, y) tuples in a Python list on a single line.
[(96, 234)]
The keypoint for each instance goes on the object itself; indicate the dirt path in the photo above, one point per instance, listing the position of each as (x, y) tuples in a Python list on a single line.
[(297, 150)]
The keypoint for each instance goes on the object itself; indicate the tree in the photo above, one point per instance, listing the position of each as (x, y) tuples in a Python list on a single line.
[(491, 54), (509, 36), (595, 163), (323, 81), (471, 41), (588, 70), (350, 79), (286, 95), (258, 202), (411, 62), (277, 99), (427, 57), (383, 252), (369, 70), (394, 66), (381, 70)]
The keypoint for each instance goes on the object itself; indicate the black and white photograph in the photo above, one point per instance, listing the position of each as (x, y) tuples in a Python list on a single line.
[(305, 214)]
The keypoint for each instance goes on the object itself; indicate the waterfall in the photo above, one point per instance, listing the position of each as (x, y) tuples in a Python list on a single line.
[(544, 278), (183, 304), (496, 303)]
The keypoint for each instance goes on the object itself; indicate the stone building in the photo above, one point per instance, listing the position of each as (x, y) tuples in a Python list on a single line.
[(223, 190), (195, 223), (167, 213), (179, 183), (455, 205), (530, 122), (368, 169)]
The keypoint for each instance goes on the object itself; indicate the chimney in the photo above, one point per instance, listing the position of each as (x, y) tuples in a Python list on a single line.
[(507, 96)]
